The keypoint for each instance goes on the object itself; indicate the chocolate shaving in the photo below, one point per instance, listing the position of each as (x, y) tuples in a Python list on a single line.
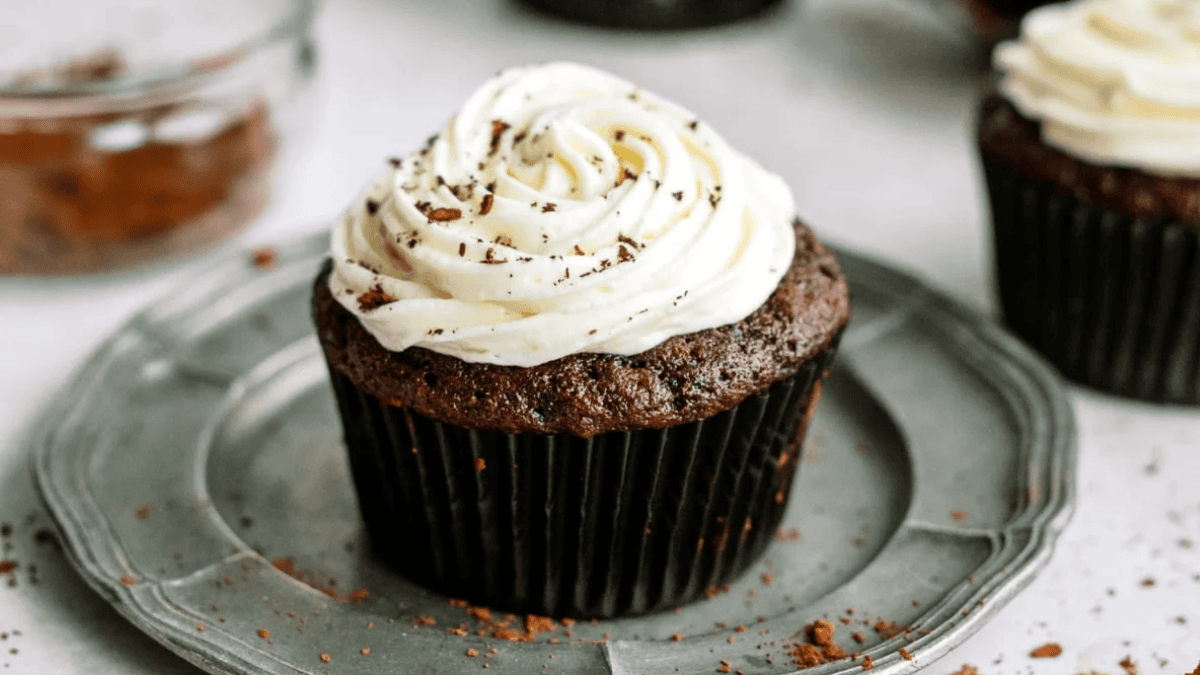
[(462, 249), (372, 207), (678, 195), (502, 240), (395, 162), (578, 251), (619, 135), (485, 207), (498, 129), (374, 297), (443, 215), (629, 240), (550, 206), (623, 255), (519, 137), (693, 124)]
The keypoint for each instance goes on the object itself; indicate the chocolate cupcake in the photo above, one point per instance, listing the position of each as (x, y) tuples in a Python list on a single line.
[(660, 14), (998, 19), (575, 342), (1091, 152)]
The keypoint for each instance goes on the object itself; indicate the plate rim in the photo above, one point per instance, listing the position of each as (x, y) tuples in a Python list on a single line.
[(1030, 377)]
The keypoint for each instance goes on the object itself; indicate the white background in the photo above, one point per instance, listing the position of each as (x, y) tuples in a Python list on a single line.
[(865, 107)]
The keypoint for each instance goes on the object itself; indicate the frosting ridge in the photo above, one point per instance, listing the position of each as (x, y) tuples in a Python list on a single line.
[(562, 210), (1113, 82)]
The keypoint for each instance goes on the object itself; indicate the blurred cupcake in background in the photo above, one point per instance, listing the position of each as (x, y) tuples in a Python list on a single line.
[(998, 19), (653, 14), (1090, 146)]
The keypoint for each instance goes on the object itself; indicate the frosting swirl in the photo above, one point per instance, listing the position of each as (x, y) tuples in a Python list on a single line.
[(1114, 82), (563, 210)]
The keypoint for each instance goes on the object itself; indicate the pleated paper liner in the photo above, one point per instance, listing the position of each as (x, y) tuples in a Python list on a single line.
[(553, 524), (659, 14), (1112, 301)]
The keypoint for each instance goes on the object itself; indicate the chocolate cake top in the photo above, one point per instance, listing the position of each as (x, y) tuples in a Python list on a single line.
[(682, 379)]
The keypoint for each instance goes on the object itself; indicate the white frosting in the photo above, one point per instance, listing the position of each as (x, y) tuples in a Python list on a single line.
[(1114, 82), (569, 257)]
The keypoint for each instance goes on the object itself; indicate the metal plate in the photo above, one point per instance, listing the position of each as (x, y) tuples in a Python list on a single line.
[(200, 444)]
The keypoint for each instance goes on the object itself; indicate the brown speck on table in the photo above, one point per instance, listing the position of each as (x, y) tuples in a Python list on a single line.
[(365, 651), (143, 512), (1130, 667), (676, 637), (958, 514), (264, 257), (264, 633), (1048, 650), (1148, 582), (768, 578), (472, 652), (325, 658)]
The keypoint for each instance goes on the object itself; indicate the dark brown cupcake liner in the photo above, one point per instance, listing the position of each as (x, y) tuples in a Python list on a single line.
[(660, 14), (554, 524), (1112, 301)]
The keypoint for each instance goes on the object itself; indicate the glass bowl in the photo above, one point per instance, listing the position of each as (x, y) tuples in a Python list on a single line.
[(134, 130)]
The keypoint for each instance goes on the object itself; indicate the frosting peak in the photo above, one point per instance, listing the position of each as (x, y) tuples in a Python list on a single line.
[(562, 210), (1114, 82)]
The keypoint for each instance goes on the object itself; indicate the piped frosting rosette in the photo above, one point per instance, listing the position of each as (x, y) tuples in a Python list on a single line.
[(563, 210), (1114, 82)]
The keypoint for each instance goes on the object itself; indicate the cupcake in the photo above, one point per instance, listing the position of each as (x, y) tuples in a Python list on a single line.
[(1090, 147), (575, 342), (660, 14), (998, 19)]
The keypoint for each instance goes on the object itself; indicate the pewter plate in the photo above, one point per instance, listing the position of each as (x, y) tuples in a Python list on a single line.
[(196, 458)]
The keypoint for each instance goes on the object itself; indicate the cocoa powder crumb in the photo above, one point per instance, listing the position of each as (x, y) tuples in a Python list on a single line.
[(958, 514), (364, 651), (424, 620), (858, 637), (480, 464), (787, 535), (905, 654), (143, 512), (472, 652), (868, 663), (967, 669), (1048, 650), (1128, 665), (677, 637), (325, 658), (264, 633), (128, 581)]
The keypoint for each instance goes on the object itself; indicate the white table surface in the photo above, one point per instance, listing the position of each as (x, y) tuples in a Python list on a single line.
[(865, 107)]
